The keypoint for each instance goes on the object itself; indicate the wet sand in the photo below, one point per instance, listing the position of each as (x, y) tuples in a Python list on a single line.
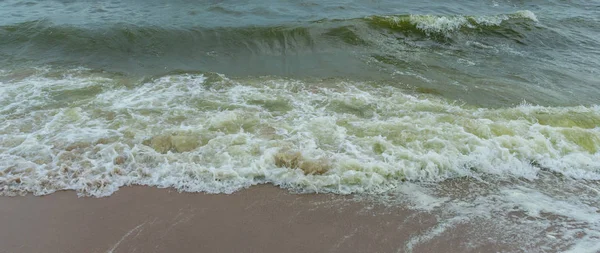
[(259, 219)]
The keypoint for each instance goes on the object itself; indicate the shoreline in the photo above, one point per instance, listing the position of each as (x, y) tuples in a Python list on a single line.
[(258, 219)]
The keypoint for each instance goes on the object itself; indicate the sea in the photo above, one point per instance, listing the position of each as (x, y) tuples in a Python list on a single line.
[(480, 111)]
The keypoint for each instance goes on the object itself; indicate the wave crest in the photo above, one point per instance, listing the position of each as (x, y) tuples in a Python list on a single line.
[(436, 24)]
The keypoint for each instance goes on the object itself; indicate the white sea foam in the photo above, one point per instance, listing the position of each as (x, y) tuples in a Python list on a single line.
[(552, 214), (193, 134)]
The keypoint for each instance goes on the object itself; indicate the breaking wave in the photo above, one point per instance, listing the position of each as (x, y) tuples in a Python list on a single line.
[(47, 43), (95, 132)]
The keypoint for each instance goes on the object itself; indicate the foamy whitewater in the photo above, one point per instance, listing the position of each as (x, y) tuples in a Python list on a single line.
[(91, 133), (487, 118)]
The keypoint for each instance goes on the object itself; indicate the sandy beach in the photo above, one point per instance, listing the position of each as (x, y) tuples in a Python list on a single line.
[(258, 219)]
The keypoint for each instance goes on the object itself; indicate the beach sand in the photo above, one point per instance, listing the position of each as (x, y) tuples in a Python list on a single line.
[(259, 219)]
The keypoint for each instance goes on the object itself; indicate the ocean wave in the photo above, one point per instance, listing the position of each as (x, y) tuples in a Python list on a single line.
[(42, 38), (94, 132)]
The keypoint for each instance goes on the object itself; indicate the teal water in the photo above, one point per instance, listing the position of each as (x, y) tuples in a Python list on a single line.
[(479, 111), (489, 53)]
